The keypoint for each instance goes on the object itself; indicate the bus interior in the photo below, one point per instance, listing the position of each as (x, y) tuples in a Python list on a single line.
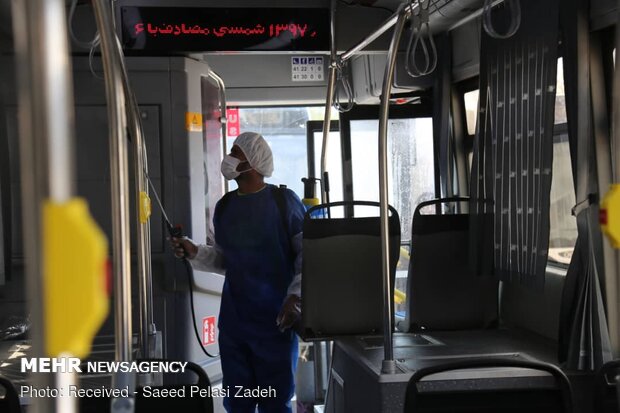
[(463, 152)]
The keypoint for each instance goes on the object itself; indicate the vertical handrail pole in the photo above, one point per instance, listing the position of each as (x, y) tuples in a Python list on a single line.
[(223, 118), (329, 100), (59, 120), (120, 199), (143, 229), (145, 277), (149, 272), (615, 141), (119, 181), (389, 366), (331, 86), (150, 319), (615, 162), (45, 94)]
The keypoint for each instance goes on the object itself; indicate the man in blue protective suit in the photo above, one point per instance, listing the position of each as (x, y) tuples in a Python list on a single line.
[(258, 248)]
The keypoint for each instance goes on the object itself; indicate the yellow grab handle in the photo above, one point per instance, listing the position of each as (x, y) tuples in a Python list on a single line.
[(74, 278), (610, 215)]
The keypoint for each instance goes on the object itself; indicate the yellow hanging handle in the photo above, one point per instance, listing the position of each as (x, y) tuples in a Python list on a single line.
[(75, 278), (610, 215), (145, 207)]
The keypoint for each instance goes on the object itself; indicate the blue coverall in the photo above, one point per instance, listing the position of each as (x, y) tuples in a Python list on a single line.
[(261, 255)]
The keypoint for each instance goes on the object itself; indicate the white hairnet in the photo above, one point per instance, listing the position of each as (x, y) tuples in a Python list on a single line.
[(258, 152)]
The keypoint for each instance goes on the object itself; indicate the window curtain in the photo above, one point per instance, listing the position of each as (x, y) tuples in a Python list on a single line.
[(584, 342), (513, 150)]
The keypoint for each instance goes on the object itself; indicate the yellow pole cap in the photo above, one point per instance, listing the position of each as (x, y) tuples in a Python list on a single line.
[(310, 202), (74, 277), (610, 215), (145, 207)]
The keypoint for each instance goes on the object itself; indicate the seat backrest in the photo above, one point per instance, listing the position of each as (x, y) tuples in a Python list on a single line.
[(606, 397), (342, 279), (533, 395), (196, 402), (443, 290), (10, 402)]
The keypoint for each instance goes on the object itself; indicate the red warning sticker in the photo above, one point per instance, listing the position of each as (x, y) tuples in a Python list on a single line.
[(208, 330), (232, 122)]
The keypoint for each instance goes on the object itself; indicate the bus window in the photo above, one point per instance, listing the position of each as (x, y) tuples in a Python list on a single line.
[(471, 110), (411, 178), (563, 226), (284, 128), (560, 99), (411, 166), (471, 117)]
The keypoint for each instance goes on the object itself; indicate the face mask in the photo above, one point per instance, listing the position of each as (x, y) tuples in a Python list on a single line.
[(229, 167)]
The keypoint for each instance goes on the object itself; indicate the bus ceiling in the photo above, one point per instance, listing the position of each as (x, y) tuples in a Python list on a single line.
[(355, 18), (253, 80)]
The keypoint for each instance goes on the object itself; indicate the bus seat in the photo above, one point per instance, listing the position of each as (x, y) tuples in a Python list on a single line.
[(198, 404), (605, 388), (484, 394), (443, 292), (342, 275), (9, 402)]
